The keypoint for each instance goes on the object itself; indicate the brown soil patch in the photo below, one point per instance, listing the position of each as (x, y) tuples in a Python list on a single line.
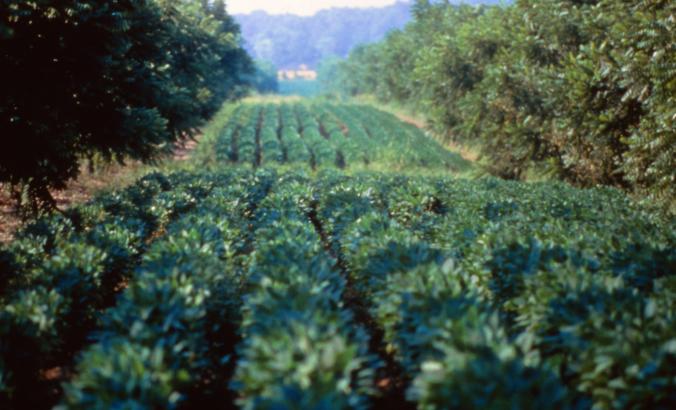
[(345, 130), (410, 120), (53, 374), (384, 383), (183, 151), (121, 285), (9, 223)]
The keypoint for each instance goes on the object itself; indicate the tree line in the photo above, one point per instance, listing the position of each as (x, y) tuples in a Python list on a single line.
[(287, 40), (112, 80), (582, 90)]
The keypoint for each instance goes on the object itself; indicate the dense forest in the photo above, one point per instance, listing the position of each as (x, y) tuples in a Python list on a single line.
[(584, 91)]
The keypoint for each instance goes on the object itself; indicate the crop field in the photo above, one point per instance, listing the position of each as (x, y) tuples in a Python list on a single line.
[(327, 135), (290, 276)]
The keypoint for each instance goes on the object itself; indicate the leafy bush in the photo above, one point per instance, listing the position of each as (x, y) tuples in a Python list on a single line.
[(577, 90)]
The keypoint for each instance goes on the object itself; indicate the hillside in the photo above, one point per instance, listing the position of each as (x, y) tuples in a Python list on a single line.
[(289, 40)]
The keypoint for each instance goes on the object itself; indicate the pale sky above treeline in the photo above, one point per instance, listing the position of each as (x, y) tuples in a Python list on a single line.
[(300, 7)]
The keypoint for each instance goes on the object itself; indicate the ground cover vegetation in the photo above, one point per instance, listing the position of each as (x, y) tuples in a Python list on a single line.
[(252, 284), (322, 134), (581, 91)]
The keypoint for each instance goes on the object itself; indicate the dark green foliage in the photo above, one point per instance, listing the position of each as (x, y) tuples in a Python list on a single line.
[(63, 270), (326, 289), (545, 299), (301, 348), (582, 91), (328, 135), (120, 80), (264, 79), (161, 321)]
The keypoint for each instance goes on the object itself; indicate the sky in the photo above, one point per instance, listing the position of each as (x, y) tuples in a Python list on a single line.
[(300, 7)]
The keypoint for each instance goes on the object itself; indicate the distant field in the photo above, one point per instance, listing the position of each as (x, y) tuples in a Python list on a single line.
[(302, 88), (321, 135)]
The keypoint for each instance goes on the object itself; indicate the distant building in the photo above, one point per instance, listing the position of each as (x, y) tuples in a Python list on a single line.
[(302, 73)]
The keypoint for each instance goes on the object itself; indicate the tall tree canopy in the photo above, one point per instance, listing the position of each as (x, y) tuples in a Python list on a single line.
[(583, 90), (119, 79)]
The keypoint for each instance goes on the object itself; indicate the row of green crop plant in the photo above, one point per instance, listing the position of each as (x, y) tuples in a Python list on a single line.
[(403, 145), (376, 136), (245, 147), (546, 295), (584, 281), (448, 339), (352, 148), (327, 135), (272, 148), (361, 145), (238, 141), (426, 314), (248, 258), (225, 144), (62, 270), (489, 294), (174, 326), (290, 134), (321, 152), (301, 347), (170, 338)]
